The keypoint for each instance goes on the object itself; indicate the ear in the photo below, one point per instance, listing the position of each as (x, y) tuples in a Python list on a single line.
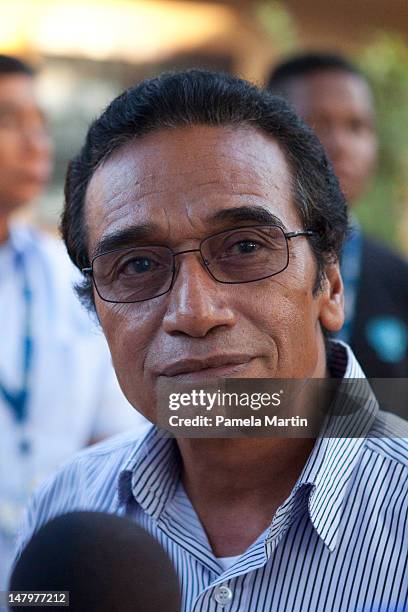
[(331, 314)]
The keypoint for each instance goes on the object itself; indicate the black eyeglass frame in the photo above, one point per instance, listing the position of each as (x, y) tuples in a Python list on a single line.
[(288, 236)]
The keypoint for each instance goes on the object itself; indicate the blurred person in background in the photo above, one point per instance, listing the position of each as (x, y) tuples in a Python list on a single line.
[(58, 390), (334, 98)]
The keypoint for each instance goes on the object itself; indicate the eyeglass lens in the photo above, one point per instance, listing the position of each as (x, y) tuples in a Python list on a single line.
[(234, 256)]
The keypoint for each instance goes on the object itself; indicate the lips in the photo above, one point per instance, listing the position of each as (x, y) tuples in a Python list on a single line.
[(215, 364)]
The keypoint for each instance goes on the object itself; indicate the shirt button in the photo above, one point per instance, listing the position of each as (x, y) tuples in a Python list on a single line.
[(222, 595)]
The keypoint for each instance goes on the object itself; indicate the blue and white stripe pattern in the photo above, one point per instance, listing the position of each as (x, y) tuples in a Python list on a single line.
[(339, 543)]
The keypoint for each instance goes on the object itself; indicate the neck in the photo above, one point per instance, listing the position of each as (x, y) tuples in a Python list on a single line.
[(236, 485)]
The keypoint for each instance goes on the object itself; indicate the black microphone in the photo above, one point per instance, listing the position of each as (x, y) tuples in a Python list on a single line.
[(106, 562)]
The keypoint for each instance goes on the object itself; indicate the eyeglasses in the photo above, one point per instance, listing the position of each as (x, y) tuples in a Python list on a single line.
[(240, 255)]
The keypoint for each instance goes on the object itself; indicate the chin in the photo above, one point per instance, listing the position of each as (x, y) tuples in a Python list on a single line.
[(27, 193), (13, 204)]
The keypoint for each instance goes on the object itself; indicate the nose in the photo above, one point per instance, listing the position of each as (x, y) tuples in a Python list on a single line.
[(197, 303)]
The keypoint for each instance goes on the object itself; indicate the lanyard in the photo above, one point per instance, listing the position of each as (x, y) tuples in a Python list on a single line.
[(18, 400), (350, 271)]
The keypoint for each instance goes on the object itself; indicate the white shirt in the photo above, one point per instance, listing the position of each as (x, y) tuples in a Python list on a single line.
[(73, 392), (227, 562), (339, 542)]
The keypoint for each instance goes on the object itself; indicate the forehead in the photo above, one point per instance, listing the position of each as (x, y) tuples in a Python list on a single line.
[(331, 91), (178, 179)]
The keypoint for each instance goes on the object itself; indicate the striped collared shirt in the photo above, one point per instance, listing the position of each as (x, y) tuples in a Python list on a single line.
[(339, 542)]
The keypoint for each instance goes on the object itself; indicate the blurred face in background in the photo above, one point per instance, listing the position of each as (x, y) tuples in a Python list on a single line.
[(25, 147), (338, 105)]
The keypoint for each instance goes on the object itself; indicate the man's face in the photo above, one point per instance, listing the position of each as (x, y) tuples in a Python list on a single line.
[(25, 149), (175, 188), (339, 107)]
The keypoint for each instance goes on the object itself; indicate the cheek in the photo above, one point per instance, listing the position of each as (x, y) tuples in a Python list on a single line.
[(7, 169), (285, 310), (127, 328), (365, 153), (10, 149), (299, 340), (371, 155), (286, 313), (130, 330)]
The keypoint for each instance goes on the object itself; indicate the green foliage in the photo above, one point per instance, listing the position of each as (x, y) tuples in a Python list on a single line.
[(277, 23), (385, 62)]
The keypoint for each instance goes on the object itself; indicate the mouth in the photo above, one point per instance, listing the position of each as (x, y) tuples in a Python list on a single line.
[(219, 366)]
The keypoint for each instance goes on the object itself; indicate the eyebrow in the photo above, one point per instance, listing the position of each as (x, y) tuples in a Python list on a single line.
[(256, 214), (127, 237), (123, 238)]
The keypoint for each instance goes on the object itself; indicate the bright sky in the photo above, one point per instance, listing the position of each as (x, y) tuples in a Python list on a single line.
[(139, 30)]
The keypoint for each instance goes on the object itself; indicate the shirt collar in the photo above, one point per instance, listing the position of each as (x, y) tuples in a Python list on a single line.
[(335, 454), (151, 475), (20, 238)]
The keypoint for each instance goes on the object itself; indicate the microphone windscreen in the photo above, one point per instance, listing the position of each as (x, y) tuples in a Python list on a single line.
[(106, 562)]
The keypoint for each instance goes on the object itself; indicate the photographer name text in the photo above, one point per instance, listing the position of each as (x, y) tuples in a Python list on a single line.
[(250, 421)]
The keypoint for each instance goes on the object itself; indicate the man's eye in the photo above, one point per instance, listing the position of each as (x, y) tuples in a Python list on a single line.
[(138, 265), (245, 246), (241, 248)]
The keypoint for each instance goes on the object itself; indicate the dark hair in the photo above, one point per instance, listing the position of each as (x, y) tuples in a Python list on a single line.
[(305, 64), (199, 97), (13, 65)]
